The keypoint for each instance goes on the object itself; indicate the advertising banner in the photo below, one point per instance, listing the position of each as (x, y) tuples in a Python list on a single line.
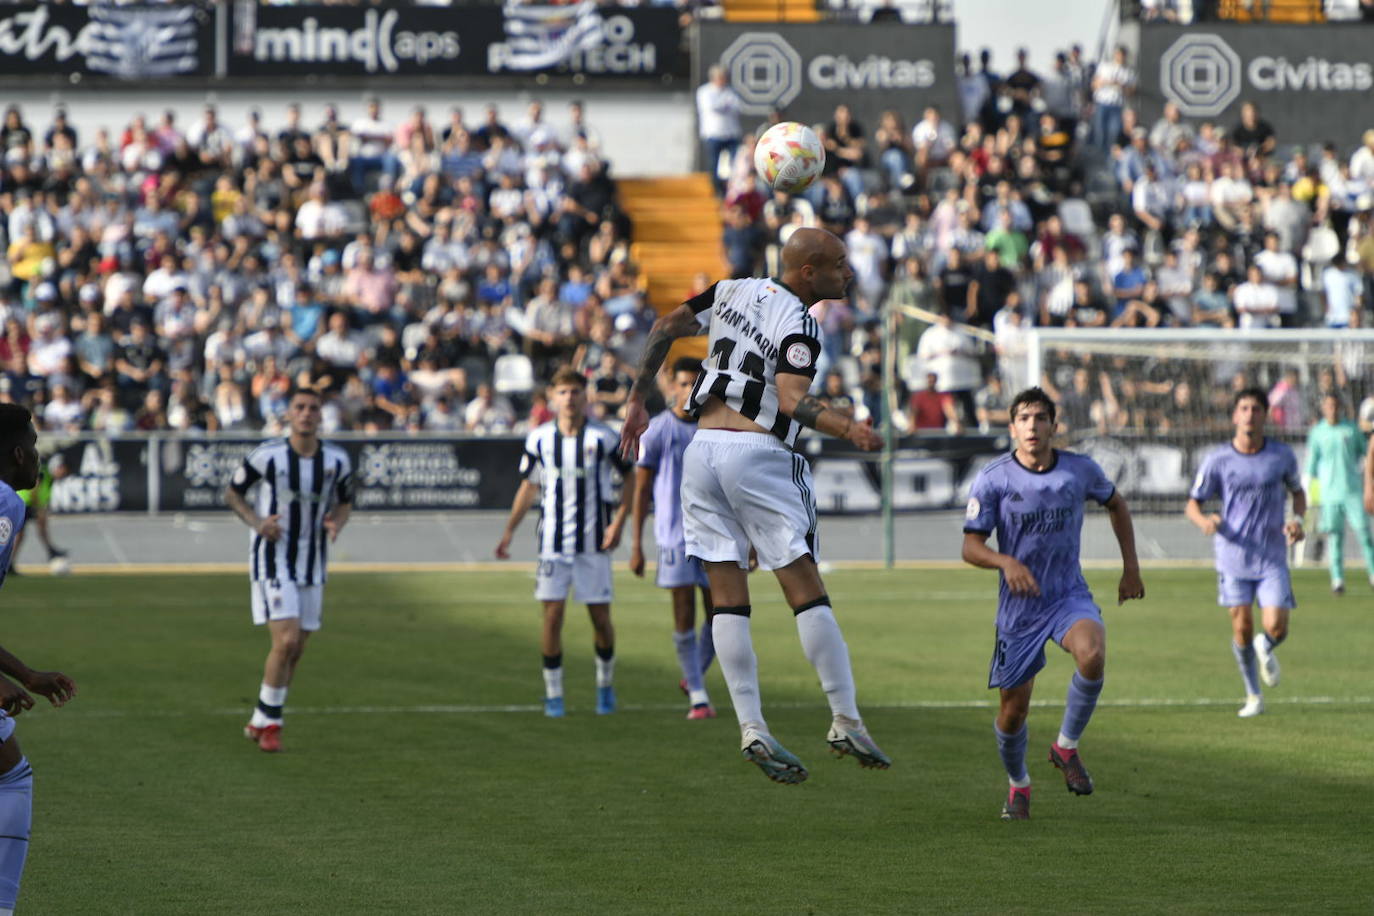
[(418, 474), (99, 475), (805, 70), (403, 40), (391, 473), (1311, 83), (106, 41)]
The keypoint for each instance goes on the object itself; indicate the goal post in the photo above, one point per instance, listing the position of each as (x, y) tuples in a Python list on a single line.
[(1149, 404)]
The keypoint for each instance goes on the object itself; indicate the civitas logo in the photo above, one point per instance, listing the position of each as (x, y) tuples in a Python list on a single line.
[(1201, 74), (376, 44), (829, 71), (765, 71)]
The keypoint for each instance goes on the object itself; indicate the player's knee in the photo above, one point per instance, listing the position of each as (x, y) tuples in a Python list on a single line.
[(1093, 663), (1012, 717)]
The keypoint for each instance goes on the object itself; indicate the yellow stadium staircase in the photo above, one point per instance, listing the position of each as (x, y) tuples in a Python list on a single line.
[(677, 235), (771, 11), (1297, 12)]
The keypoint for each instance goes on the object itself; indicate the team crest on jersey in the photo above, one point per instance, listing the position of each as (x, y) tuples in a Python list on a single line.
[(6, 531), (799, 355), (974, 508)]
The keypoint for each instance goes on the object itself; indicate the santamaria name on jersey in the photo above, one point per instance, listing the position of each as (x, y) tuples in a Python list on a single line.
[(737, 319)]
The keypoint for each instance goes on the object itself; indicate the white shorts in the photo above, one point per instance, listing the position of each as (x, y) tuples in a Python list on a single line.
[(740, 489), (587, 574), (281, 600)]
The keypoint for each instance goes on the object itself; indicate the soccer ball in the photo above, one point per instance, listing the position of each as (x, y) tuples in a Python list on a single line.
[(789, 157), (59, 566)]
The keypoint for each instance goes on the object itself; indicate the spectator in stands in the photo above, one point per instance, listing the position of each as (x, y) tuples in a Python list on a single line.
[(718, 110), (488, 413), (1023, 86), (932, 409), (896, 151), (1254, 136), (953, 355), (1256, 301), (846, 148), (989, 286), (1113, 86), (1280, 271)]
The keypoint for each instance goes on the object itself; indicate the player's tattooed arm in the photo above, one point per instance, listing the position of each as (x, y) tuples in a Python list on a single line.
[(810, 411), (681, 322)]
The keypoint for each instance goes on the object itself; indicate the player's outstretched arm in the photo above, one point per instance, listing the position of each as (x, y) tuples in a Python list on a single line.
[(524, 498), (57, 687), (612, 538), (1207, 524), (1293, 529), (977, 553), (795, 400), (1131, 585), (680, 322), (644, 483)]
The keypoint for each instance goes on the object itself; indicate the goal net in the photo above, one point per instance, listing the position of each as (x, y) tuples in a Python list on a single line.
[(1147, 405)]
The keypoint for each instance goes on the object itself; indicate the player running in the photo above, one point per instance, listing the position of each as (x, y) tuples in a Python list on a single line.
[(577, 532), (1033, 499), (659, 473), (18, 471), (743, 484), (1334, 450), (304, 498), (36, 509), (1249, 475)]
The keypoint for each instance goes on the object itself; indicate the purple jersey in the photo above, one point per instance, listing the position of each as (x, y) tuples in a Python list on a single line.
[(660, 450), (1038, 518), (1250, 542), (11, 523)]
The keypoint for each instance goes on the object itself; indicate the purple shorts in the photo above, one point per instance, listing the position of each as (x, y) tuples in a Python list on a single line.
[(1018, 657), (676, 569), (1273, 589)]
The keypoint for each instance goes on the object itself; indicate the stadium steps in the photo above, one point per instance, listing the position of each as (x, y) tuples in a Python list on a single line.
[(771, 11), (677, 235), (1296, 12)]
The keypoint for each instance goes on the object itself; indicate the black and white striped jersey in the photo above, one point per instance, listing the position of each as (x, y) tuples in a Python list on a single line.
[(579, 488), (301, 490), (758, 328)]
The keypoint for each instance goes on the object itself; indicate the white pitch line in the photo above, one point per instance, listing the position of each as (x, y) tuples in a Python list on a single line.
[(478, 709)]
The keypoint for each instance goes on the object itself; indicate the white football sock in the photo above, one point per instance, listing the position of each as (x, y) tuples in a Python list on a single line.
[(826, 650), (605, 671), (269, 709), (735, 651), (553, 683)]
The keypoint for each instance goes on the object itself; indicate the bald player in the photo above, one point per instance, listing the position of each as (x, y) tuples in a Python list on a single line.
[(743, 484)]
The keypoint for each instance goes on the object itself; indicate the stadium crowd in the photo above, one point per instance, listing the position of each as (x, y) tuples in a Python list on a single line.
[(168, 276), (431, 273), (1047, 202)]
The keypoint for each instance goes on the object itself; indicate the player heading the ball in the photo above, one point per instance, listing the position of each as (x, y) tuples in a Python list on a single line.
[(743, 485)]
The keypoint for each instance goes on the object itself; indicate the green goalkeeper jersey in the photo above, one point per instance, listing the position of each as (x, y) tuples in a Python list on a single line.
[(1334, 453)]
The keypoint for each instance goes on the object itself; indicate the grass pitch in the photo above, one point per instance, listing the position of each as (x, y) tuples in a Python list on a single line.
[(419, 776)]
